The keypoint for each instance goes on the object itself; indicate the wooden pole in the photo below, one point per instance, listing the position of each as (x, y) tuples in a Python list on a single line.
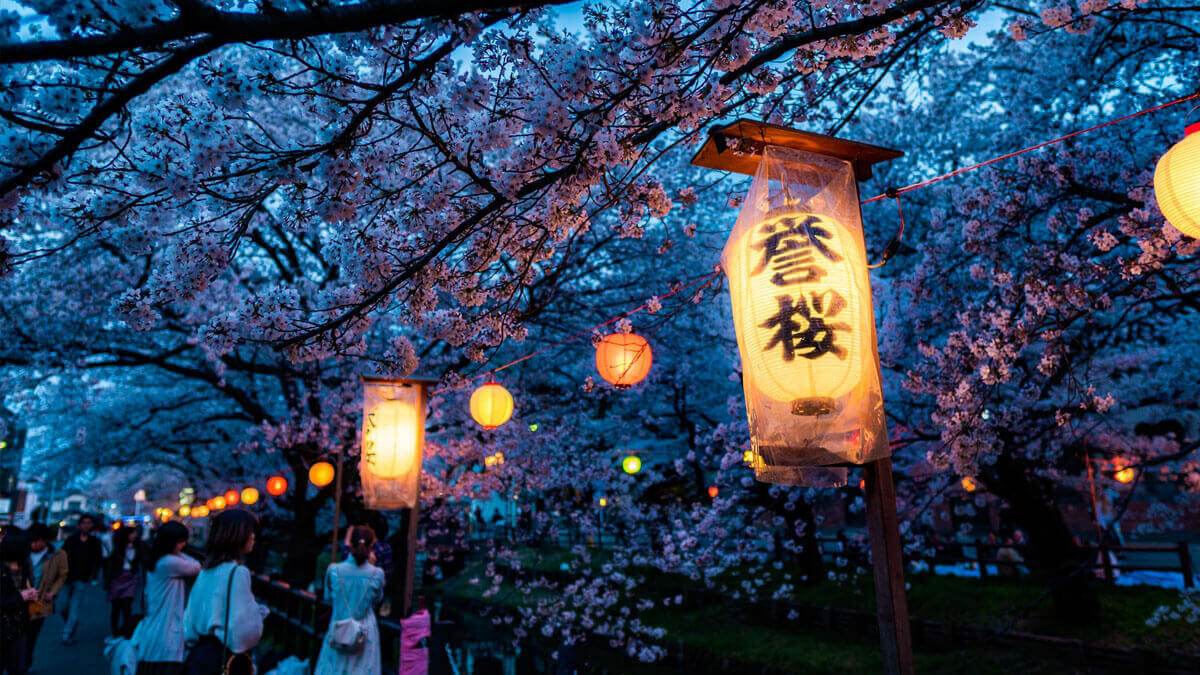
[(410, 522), (883, 530), (337, 505)]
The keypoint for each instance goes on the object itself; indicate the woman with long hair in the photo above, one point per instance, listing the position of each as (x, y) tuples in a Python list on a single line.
[(159, 636), (355, 587), (121, 577), (222, 623)]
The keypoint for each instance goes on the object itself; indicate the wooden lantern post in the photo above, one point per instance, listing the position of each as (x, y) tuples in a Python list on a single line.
[(393, 443), (741, 147)]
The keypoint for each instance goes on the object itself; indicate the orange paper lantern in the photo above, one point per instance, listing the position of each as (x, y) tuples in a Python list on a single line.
[(1125, 475), (623, 359), (713, 491), (217, 503), (491, 405), (321, 474), (249, 496), (232, 498), (200, 511), (276, 485)]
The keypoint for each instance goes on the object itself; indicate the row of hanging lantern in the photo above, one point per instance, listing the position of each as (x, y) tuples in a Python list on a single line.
[(803, 315), (248, 496), (622, 359)]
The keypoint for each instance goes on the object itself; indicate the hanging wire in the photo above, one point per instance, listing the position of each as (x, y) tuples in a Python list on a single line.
[(888, 252), (575, 336), (1010, 155)]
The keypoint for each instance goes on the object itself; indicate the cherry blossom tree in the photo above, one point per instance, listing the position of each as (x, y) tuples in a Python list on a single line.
[(219, 218)]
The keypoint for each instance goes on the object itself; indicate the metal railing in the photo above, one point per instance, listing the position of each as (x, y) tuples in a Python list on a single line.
[(299, 620)]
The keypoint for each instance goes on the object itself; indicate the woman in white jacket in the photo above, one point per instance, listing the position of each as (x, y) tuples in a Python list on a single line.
[(222, 621), (354, 587), (159, 636)]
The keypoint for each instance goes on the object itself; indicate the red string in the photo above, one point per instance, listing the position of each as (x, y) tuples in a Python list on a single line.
[(587, 331), (890, 193), (957, 172)]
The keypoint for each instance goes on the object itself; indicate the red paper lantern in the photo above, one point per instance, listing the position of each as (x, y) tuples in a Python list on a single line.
[(276, 485), (232, 498), (713, 491), (623, 359)]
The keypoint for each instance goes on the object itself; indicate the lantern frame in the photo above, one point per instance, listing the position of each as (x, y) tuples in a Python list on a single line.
[(402, 491)]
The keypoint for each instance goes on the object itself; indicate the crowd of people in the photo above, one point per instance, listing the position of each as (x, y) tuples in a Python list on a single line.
[(211, 629)]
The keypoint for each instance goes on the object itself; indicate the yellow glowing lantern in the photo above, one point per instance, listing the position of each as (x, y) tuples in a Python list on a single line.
[(249, 496), (631, 464), (217, 503), (393, 441), (321, 474), (165, 514), (494, 460), (623, 359), (200, 512), (603, 501), (491, 405), (185, 511), (276, 485), (232, 497), (1177, 183), (1125, 475), (969, 484), (797, 268)]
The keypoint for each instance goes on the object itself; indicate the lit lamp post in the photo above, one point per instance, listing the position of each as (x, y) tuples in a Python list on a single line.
[(797, 269), (393, 443)]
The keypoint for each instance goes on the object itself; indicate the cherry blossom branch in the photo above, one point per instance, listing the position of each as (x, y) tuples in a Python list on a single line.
[(788, 43), (74, 137), (195, 20)]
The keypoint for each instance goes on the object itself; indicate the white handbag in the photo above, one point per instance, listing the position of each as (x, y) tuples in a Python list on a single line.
[(348, 636)]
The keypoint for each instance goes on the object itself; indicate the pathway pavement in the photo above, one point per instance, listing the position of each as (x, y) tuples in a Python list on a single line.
[(86, 656)]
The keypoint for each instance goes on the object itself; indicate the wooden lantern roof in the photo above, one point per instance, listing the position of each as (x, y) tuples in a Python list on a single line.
[(752, 136)]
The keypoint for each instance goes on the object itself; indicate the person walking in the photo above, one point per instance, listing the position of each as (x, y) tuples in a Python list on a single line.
[(355, 587), (48, 567), (159, 636), (16, 592), (85, 558), (222, 622), (121, 577)]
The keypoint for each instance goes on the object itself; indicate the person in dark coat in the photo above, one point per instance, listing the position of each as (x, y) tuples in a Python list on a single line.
[(85, 559), (16, 592)]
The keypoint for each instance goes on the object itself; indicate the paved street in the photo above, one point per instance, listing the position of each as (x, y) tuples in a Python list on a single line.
[(86, 656)]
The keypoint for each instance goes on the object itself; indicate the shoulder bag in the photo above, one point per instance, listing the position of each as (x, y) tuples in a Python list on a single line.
[(348, 636), (210, 656)]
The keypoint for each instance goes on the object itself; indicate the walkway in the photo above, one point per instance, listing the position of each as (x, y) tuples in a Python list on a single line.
[(86, 656)]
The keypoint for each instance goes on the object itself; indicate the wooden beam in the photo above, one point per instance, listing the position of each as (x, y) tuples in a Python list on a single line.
[(883, 530), (750, 138)]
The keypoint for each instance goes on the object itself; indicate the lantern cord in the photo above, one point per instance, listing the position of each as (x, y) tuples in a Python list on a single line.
[(1010, 155), (894, 244), (707, 278)]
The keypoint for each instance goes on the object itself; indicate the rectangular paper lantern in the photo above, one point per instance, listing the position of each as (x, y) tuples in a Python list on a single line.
[(805, 324), (393, 442)]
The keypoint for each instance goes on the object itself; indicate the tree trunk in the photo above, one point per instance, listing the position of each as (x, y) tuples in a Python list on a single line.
[(1053, 556), (302, 545)]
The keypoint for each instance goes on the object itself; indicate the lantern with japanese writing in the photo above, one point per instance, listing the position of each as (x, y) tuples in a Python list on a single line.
[(393, 441), (802, 310)]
